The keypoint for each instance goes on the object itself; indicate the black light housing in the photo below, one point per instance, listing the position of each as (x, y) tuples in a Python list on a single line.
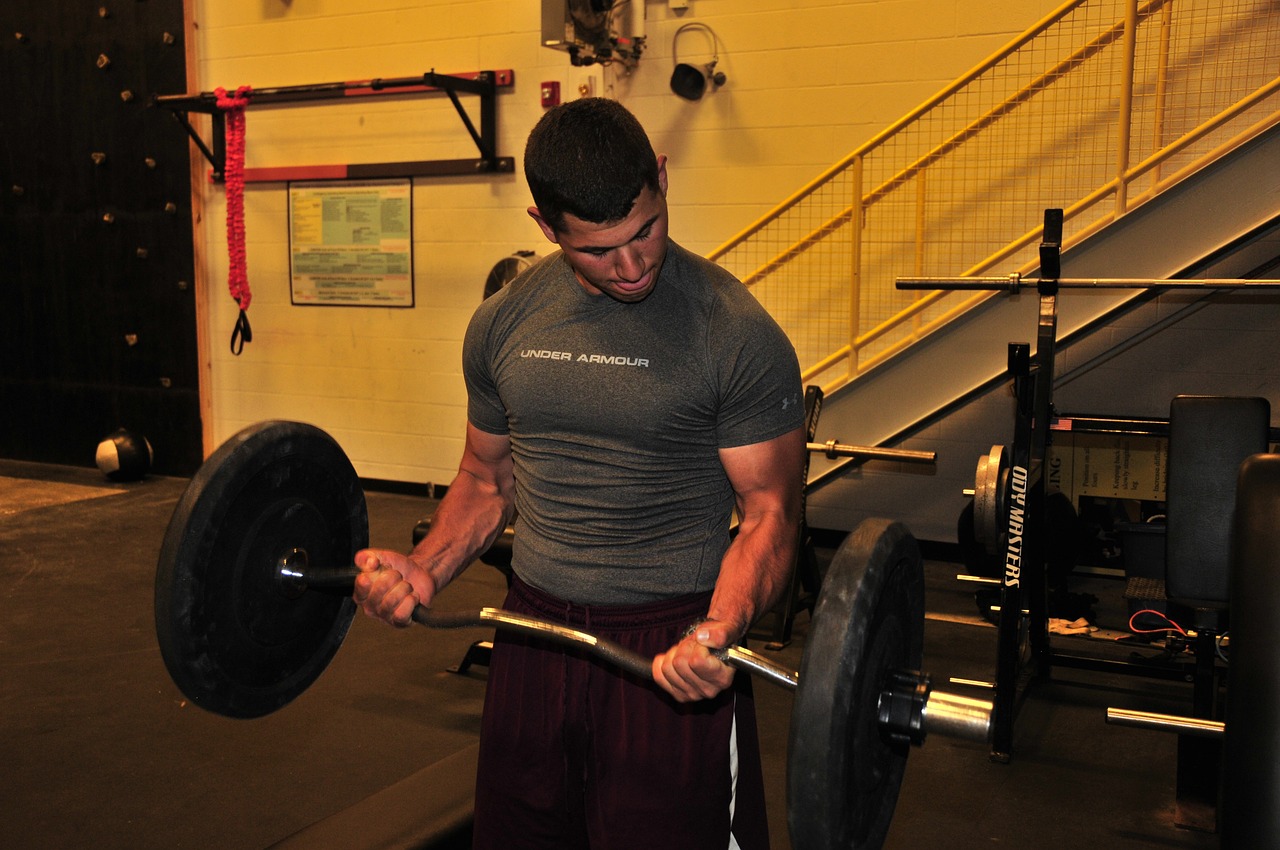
[(690, 81)]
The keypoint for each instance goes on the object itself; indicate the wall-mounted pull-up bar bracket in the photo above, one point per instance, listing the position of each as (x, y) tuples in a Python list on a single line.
[(484, 84)]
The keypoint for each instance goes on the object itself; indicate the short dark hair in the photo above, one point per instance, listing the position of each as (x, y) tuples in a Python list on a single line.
[(590, 158)]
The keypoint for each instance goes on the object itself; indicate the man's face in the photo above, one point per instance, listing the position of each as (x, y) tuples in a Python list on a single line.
[(622, 258)]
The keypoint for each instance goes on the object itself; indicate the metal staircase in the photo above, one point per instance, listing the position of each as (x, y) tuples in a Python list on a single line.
[(1152, 124)]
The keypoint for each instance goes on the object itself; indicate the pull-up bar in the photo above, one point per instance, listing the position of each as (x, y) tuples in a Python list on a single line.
[(484, 84)]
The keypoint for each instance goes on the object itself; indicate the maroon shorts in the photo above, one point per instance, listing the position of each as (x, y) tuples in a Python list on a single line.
[(574, 753)]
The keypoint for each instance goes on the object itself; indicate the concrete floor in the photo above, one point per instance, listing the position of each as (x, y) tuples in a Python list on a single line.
[(100, 749)]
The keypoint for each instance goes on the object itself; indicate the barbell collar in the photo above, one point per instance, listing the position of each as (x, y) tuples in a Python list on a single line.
[(910, 709), (900, 708), (292, 569)]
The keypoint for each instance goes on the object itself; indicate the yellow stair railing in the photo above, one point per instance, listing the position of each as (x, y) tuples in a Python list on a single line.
[(1096, 109)]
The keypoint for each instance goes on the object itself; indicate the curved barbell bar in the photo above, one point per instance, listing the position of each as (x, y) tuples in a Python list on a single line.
[(940, 712)]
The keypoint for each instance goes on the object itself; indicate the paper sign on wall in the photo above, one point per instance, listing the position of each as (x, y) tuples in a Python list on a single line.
[(351, 243), (1118, 466)]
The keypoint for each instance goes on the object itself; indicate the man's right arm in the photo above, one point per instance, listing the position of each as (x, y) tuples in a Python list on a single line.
[(470, 517)]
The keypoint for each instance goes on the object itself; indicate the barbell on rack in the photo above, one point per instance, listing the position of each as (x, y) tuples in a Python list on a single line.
[(833, 449), (253, 601), (1014, 283)]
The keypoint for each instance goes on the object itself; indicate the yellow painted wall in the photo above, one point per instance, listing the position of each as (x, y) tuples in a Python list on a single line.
[(808, 81)]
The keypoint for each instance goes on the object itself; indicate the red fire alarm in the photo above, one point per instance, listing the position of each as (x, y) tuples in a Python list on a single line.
[(550, 94)]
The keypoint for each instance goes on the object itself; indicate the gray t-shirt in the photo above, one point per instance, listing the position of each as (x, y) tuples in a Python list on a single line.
[(616, 413)]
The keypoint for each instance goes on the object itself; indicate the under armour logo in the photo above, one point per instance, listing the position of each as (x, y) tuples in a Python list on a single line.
[(787, 402)]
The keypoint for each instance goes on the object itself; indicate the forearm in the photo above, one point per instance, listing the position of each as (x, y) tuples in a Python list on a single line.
[(475, 511), (753, 576), (470, 517), (758, 564), (756, 568)]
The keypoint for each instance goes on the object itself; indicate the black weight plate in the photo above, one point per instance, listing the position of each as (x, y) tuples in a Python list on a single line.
[(843, 776), (234, 640)]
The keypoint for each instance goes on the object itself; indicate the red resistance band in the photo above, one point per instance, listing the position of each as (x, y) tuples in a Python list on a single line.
[(233, 176)]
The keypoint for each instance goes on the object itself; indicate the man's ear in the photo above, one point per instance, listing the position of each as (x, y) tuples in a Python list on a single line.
[(662, 173), (547, 231)]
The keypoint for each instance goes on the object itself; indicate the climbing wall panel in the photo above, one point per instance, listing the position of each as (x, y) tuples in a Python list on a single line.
[(98, 329)]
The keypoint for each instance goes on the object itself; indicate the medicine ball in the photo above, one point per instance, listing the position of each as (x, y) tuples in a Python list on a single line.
[(124, 455)]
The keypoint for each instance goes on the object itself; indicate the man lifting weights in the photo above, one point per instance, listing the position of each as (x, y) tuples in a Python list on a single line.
[(624, 397)]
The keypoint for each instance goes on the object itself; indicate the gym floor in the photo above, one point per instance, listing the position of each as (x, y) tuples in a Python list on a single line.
[(100, 748)]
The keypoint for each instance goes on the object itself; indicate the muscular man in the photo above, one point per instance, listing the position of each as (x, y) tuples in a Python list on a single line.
[(625, 397)]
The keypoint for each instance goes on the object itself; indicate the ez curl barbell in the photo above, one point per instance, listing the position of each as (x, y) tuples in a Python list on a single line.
[(245, 624)]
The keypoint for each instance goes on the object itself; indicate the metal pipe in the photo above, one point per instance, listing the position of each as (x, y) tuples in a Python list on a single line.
[(1162, 88), (1195, 726), (1125, 122), (752, 662), (858, 224), (1014, 282), (978, 579), (956, 716), (477, 82), (833, 450), (616, 654)]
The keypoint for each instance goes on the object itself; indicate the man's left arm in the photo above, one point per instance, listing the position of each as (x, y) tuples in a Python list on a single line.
[(756, 567)]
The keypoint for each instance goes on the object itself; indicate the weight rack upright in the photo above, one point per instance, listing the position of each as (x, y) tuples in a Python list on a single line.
[(1023, 616)]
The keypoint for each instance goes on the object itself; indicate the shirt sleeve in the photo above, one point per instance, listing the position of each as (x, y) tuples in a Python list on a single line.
[(484, 407), (761, 395)]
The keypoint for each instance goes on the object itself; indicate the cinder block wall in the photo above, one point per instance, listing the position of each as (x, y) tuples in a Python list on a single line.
[(808, 80)]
